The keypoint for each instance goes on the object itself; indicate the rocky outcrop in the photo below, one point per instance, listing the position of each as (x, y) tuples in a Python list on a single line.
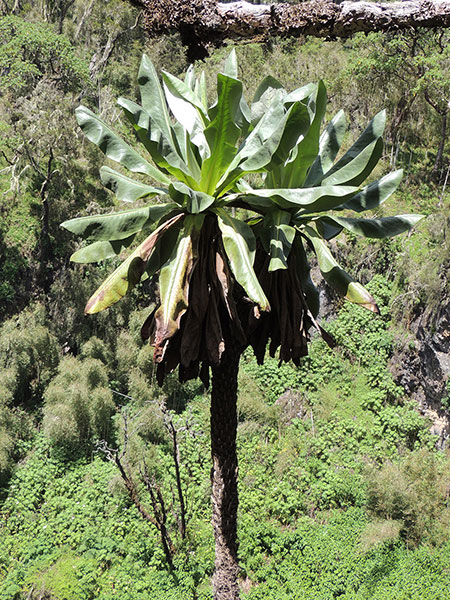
[(423, 367)]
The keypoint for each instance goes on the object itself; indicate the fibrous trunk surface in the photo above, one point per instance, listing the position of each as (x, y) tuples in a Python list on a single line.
[(224, 473)]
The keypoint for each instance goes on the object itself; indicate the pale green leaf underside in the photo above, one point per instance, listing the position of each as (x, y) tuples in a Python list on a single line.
[(125, 188), (101, 250), (311, 199), (117, 226), (381, 228), (114, 147)]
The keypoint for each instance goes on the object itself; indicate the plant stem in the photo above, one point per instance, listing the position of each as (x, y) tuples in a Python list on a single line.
[(224, 473)]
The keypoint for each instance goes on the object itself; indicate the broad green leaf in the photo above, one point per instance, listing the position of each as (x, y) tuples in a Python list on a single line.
[(258, 147), (162, 151), (119, 225), (231, 70), (222, 133), (125, 188), (187, 113), (369, 136), (193, 201), (187, 150), (182, 90), (269, 92), (339, 279), (374, 194), (189, 78), (152, 97), (359, 168), (327, 227), (201, 90), (239, 243), (305, 151), (329, 145), (231, 67), (114, 147), (295, 128), (281, 238), (174, 282), (312, 199), (101, 250), (300, 94), (378, 228), (125, 277)]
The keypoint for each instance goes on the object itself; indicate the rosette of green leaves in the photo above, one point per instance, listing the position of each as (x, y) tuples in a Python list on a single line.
[(308, 192), (192, 156)]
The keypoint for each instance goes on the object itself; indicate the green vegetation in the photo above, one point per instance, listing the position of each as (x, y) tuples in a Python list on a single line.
[(343, 492)]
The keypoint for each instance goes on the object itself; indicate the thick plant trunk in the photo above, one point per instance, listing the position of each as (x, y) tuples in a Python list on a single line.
[(224, 473)]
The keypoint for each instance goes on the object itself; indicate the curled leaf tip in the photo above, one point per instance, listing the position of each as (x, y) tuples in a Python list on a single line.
[(372, 306)]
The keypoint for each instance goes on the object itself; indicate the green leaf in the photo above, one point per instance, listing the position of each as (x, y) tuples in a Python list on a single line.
[(369, 137), (329, 145), (125, 188), (125, 277), (243, 119), (258, 147), (162, 151), (163, 249), (296, 125), (189, 78), (201, 91), (269, 92), (193, 201), (114, 147), (231, 67), (239, 243), (374, 194), (119, 225), (339, 279), (300, 94), (222, 132), (174, 283), (378, 228), (305, 151), (101, 250), (281, 238), (327, 227), (313, 199), (189, 111), (182, 90), (152, 97), (359, 168)]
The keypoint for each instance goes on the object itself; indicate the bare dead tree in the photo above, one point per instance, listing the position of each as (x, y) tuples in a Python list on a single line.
[(100, 59), (173, 433), (205, 23), (158, 516)]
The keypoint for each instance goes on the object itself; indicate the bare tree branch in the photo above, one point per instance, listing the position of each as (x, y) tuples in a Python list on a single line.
[(202, 23)]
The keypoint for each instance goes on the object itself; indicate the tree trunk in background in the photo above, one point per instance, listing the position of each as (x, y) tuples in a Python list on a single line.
[(204, 23), (224, 473), (436, 173)]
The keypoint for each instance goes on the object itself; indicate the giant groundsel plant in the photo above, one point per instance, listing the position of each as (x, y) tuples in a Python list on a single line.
[(199, 157), (232, 258), (306, 194)]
